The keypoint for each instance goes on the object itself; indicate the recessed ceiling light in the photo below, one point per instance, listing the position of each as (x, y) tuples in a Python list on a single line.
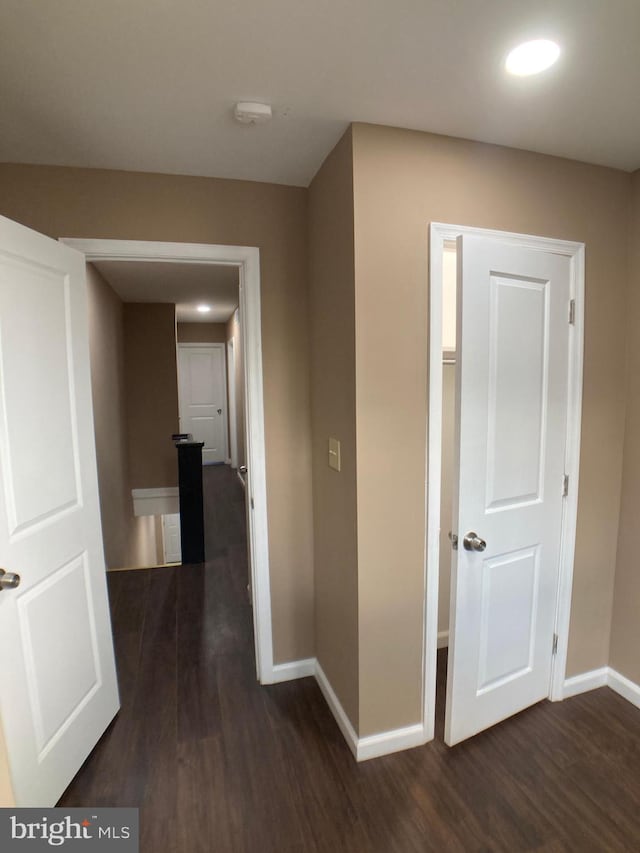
[(532, 57), (204, 309)]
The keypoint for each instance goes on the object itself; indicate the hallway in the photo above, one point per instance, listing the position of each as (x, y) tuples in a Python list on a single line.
[(217, 763)]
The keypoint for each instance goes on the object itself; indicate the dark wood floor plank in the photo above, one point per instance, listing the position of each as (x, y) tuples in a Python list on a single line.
[(215, 762)]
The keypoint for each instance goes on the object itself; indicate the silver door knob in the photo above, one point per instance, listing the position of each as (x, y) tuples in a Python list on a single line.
[(472, 542), (8, 580), (243, 469)]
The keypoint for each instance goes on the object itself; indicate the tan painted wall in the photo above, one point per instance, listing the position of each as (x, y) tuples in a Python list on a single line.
[(403, 180), (151, 393), (106, 339), (234, 332), (202, 333), (625, 626), (139, 206), (332, 320)]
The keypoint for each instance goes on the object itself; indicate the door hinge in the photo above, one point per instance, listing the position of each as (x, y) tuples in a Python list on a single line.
[(572, 312), (565, 485), (251, 503), (554, 649)]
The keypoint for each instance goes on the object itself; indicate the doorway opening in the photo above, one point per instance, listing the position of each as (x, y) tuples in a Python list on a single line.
[(238, 270), (459, 584)]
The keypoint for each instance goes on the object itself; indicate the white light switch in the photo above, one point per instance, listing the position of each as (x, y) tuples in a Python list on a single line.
[(334, 454)]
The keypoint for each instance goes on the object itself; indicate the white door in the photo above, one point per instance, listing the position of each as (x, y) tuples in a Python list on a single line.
[(203, 397), (58, 689), (511, 410), (171, 543)]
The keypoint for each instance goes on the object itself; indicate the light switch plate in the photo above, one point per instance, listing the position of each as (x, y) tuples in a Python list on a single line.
[(334, 454)]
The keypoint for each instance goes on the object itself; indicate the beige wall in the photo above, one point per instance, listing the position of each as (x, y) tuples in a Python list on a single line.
[(332, 318), (139, 206), (234, 333), (403, 180), (625, 626), (202, 333), (106, 340), (151, 393)]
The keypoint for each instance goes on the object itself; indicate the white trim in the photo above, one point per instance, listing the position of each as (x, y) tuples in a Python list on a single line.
[(231, 393), (443, 639), (293, 669), (386, 743), (242, 480), (584, 682), (626, 688), (164, 501), (438, 234), (335, 706), (206, 345), (372, 746), (247, 260), (605, 676)]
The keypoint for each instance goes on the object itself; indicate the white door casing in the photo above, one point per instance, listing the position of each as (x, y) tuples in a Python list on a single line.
[(247, 260), (231, 389), (511, 415), (58, 690), (202, 396)]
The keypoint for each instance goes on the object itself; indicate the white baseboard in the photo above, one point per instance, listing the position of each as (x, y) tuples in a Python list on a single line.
[(628, 689), (443, 639), (293, 669), (585, 681), (395, 740), (605, 676), (372, 746), (335, 706), (241, 478)]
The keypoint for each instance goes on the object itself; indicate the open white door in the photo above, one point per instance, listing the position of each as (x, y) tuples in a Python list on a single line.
[(202, 393), (58, 689), (511, 411)]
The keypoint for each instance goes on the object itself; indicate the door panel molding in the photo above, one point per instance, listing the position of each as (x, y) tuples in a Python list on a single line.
[(247, 260), (439, 234)]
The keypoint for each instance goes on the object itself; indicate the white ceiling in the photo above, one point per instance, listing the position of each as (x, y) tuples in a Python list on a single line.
[(184, 285), (140, 85)]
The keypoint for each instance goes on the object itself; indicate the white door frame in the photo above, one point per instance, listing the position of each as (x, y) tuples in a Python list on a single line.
[(440, 233), (247, 260), (207, 345), (231, 393)]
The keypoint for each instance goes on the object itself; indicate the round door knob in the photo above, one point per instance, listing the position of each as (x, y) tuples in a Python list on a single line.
[(8, 580), (472, 542), (243, 469)]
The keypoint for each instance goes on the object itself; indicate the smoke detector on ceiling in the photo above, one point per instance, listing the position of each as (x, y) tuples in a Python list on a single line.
[(252, 113)]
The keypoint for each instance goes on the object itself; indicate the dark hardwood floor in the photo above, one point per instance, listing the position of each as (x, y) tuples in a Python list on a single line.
[(218, 764)]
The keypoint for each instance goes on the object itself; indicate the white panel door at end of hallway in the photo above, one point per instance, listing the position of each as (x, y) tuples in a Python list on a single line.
[(203, 397), (58, 690), (511, 414)]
